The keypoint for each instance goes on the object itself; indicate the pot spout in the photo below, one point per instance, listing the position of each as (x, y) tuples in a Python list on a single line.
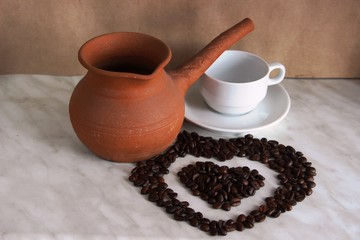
[(186, 74)]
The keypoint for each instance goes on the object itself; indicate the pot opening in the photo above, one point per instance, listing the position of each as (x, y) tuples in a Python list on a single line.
[(130, 53), (128, 64)]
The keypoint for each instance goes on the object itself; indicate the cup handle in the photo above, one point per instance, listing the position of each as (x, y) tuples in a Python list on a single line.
[(280, 76)]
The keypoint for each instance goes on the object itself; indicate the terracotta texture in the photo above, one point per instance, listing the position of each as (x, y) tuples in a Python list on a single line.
[(127, 108)]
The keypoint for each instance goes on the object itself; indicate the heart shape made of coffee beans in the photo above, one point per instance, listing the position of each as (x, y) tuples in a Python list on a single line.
[(222, 187), (294, 172)]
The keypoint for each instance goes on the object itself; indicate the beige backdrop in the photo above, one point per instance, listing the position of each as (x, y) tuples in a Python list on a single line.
[(312, 38)]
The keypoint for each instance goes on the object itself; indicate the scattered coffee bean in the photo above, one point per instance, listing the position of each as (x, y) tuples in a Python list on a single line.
[(224, 187)]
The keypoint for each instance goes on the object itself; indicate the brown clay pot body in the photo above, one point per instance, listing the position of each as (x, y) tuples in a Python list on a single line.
[(127, 108)]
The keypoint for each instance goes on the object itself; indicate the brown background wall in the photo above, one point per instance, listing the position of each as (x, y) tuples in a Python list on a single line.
[(312, 38)]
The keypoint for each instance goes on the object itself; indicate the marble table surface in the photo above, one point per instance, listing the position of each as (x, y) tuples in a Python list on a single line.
[(52, 187)]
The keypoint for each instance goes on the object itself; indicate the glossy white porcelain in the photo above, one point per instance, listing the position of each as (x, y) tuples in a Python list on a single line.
[(237, 82), (270, 111)]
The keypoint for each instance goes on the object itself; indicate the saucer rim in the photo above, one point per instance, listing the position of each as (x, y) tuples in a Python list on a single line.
[(243, 130)]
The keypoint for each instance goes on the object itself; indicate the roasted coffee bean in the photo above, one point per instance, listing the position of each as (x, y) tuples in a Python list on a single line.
[(240, 226), (288, 207), (235, 202), (310, 184), (299, 197), (134, 176), (281, 207), (255, 185), (161, 202), (144, 190), (263, 208), (184, 179), (279, 197), (140, 182), (217, 205), (175, 202), (255, 157), (214, 224), (264, 159), (213, 231), (220, 198), (163, 170), (179, 217), (308, 191), (230, 227), (290, 195), (163, 185), (260, 218), (173, 195), (224, 187), (261, 183), (250, 218), (241, 218), (205, 227), (205, 221), (248, 224), (211, 200), (184, 204), (255, 213), (153, 197), (309, 178), (270, 211), (226, 206), (172, 209), (250, 191), (241, 153), (222, 231), (194, 222), (311, 171), (275, 213), (223, 169), (244, 182), (196, 192), (217, 187), (229, 222), (190, 213), (204, 196)]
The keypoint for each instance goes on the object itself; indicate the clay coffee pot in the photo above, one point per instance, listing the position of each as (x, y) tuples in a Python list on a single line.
[(127, 108)]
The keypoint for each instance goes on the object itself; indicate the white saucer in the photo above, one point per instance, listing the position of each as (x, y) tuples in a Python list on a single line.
[(271, 110)]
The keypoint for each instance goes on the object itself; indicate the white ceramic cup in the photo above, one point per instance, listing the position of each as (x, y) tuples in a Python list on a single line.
[(237, 82)]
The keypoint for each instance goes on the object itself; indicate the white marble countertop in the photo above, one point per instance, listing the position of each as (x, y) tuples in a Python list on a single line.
[(52, 187)]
